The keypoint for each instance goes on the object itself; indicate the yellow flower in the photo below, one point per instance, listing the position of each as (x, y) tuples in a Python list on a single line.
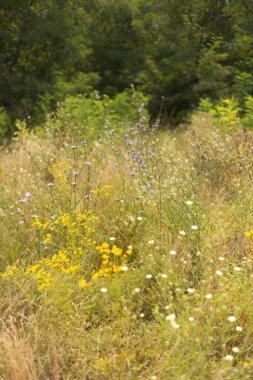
[(116, 250), (249, 233), (83, 283)]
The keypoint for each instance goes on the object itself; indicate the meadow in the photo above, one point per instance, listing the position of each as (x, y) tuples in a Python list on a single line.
[(128, 255)]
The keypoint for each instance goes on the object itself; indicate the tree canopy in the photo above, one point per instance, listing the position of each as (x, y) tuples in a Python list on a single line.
[(175, 52)]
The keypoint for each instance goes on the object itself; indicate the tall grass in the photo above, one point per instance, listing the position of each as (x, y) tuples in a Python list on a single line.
[(127, 258)]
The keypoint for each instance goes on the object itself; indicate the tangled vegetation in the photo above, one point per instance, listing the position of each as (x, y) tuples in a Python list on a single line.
[(128, 256)]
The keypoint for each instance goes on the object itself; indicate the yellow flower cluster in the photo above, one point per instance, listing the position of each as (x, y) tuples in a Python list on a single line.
[(9, 271), (71, 250), (72, 236), (249, 233), (46, 270), (103, 190), (59, 172), (112, 260)]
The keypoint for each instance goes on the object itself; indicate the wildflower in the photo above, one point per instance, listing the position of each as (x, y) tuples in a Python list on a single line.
[(142, 315), (190, 290), (237, 269), (149, 276), (191, 319), (73, 147), (182, 233), (219, 273), (249, 233), (50, 184), (82, 283), (151, 242), (189, 203), (164, 275), (194, 227), (170, 317), (124, 268), (139, 218), (103, 290), (209, 296), (112, 238), (21, 222), (88, 163), (174, 325), (116, 250), (231, 318), (137, 290), (238, 328), (229, 357), (173, 252), (221, 258), (235, 350)]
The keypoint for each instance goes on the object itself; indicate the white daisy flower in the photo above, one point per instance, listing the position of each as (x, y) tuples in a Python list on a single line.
[(229, 357), (231, 318)]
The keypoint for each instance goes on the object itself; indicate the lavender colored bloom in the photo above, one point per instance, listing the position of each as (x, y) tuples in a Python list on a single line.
[(141, 108), (50, 184), (23, 200)]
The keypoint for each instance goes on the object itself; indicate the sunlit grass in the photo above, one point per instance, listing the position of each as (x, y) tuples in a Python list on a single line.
[(128, 258)]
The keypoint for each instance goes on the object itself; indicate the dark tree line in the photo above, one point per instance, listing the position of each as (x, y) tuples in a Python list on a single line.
[(178, 51)]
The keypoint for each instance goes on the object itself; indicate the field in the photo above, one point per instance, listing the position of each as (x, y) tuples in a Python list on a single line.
[(129, 256)]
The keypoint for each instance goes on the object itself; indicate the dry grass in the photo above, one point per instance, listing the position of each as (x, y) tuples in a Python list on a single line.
[(169, 315)]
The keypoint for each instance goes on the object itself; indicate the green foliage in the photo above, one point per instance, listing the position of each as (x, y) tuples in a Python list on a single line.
[(227, 113), (91, 116), (248, 117), (5, 123), (174, 52)]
